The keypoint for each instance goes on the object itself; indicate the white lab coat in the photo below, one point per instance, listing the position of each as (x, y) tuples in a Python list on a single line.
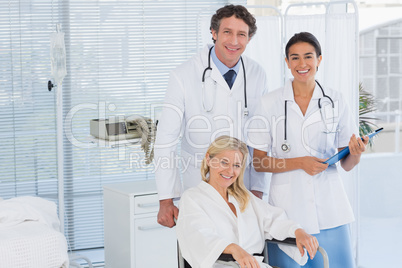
[(184, 118), (316, 202), (206, 226)]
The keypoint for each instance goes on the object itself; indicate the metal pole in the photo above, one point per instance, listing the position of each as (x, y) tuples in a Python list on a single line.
[(397, 130)]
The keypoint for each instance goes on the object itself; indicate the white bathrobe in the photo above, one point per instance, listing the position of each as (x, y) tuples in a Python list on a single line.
[(206, 226)]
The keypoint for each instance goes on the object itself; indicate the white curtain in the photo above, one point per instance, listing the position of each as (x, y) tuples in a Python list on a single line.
[(314, 24), (265, 48)]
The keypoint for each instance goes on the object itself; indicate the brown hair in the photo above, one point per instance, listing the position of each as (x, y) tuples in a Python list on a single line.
[(240, 12)]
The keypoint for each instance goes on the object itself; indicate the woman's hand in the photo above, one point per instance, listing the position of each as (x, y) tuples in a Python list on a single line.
[(241, 256), (307, 241), (313, 165), (357, 146)]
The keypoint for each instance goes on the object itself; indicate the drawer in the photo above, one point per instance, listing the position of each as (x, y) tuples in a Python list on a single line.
[(146, 204)]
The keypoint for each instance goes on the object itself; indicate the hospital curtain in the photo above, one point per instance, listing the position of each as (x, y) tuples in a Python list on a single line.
[(262, 46)]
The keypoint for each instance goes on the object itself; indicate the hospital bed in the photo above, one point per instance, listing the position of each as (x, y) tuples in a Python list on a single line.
[(29, 234), (227, 259)]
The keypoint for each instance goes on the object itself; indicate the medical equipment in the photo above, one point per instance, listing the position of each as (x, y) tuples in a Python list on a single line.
[(213, 101), (286, 146), (131, 127), (332, 160)]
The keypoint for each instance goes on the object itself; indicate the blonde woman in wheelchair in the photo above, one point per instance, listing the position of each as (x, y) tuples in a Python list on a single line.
[(221, 216)]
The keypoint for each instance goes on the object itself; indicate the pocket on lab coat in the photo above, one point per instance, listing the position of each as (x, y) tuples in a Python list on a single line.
[(321, 139)]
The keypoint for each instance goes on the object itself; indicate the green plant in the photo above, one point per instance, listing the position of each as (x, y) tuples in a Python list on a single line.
[(366, 105)]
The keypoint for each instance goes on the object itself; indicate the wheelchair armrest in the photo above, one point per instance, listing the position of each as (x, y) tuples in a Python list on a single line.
[(226, 257), (292, 242), (288, 241)]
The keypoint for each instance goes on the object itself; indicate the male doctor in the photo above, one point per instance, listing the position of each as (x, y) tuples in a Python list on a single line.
[(194, 114)]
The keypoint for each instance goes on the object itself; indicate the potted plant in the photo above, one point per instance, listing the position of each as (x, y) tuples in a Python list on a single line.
[(366, 106)]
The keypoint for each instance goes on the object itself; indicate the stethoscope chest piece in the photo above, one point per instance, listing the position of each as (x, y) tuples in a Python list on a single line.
[(285, 147)]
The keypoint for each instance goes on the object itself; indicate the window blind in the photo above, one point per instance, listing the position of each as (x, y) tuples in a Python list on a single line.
[(380, 70), (27, 108)]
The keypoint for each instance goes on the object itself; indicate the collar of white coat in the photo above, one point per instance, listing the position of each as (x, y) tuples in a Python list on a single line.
[(289, 95)]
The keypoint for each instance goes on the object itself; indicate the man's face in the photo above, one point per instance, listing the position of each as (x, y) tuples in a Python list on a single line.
[(231, 40)]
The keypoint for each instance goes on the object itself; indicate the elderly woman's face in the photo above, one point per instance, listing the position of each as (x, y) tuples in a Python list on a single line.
[(224, 168)]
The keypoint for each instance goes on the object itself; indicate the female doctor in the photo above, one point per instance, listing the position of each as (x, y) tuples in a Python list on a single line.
[(305, 123), (220, 215)]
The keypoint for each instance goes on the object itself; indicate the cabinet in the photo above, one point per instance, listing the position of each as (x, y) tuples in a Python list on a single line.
[(133, 238)]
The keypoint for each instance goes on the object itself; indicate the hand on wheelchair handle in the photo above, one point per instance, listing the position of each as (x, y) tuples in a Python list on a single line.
[(309, 242), (243, 258), (168, 212)]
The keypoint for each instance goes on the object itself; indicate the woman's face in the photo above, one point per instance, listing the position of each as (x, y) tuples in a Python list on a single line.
[(224, 168), (303, 61)]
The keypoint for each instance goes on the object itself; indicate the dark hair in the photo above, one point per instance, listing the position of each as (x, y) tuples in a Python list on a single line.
[(228, 11), (303, 37)]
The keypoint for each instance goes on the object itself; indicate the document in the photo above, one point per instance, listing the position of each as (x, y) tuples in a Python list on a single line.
[(346, 151)]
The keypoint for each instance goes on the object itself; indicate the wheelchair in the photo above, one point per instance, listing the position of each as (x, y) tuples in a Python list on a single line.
[(227, 259)]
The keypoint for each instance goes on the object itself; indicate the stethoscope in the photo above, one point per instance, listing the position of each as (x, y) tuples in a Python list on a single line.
[(203, 86), (286, 146)]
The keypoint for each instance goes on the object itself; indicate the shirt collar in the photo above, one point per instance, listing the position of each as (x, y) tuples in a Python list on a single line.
[(222, 67)]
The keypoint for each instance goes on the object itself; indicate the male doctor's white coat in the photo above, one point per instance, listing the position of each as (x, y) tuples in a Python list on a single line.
[(184, 118)]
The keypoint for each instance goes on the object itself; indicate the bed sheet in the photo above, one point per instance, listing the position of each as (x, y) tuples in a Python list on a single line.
[(32, 244)]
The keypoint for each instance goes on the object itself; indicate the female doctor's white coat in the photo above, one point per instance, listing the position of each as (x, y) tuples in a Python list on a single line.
[(184, 117), (316, 202)]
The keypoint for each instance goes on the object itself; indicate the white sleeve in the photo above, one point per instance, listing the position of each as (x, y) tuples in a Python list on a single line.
[(199, 241), (257, 181), (167, 174), (258, 129)]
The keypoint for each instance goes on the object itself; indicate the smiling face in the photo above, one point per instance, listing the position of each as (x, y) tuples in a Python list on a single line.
[(303, 62), (231, 40), (224, 169)]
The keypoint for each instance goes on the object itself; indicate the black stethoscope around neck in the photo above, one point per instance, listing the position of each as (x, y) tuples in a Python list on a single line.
[(213, 101), (285, 145)]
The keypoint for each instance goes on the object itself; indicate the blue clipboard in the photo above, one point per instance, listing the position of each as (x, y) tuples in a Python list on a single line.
[(346, 151)]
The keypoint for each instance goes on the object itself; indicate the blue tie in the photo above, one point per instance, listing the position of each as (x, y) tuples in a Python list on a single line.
[(230, 77)]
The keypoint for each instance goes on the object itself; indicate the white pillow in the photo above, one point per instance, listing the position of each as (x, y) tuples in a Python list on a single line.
[(28, 208)]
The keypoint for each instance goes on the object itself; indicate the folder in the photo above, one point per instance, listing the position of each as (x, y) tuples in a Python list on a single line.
[(341, 154)]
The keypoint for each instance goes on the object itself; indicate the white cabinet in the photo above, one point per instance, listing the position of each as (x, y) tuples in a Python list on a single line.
[(133, 238)]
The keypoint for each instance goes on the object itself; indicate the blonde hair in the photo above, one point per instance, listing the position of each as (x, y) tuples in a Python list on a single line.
[(237, 189)]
